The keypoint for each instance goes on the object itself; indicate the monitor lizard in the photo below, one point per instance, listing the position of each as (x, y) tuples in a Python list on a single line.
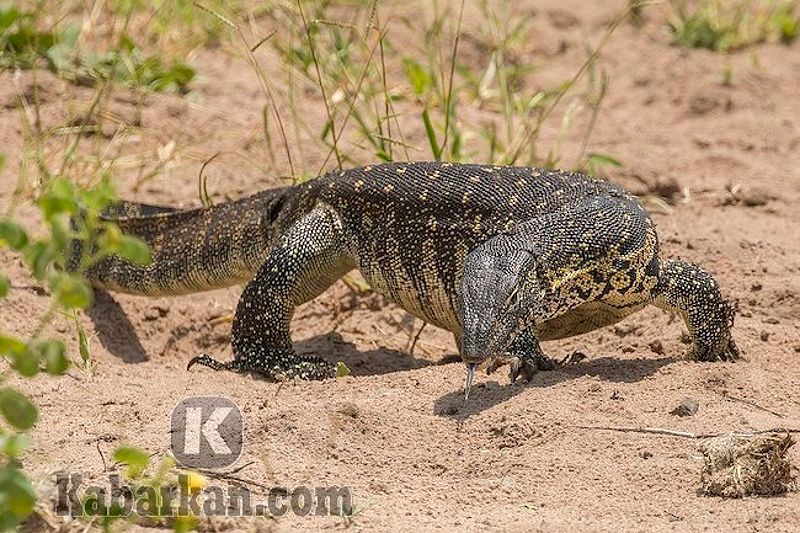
[(503, 257)]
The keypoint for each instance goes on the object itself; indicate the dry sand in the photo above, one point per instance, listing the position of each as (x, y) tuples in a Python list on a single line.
[(396, 431)]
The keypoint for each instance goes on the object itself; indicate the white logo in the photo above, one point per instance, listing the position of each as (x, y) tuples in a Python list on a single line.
[(206, 432)]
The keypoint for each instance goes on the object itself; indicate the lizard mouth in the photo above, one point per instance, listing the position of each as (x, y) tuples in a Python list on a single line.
[(489, 364)]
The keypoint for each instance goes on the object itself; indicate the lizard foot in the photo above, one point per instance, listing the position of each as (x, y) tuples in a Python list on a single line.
[(210, 362), (524, 366), (573, 358), (276, 365), (727, 351)]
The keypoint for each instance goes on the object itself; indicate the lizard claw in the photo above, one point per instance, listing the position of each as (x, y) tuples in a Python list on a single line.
[(210, 362), (526, 367), (573, 358), (496, 363), (521, 368)]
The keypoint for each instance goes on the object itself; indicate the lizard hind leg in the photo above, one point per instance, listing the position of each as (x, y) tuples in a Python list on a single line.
[(308, 258)]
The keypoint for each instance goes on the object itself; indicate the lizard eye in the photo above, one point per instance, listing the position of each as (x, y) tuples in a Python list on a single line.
[(274, 209)]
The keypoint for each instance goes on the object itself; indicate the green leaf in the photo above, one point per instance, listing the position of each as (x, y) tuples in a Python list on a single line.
[(435, 149), (72, 291), (9, 16), (2, 161), (83, 343), (53, 353), (4, 285), (603, 159), (184, 524), (10, 345), (26, 362), (18, 497), (136, 459), (342, 370), (59, 198), (62, 54), (12, 445), (420, 79), (38, 256), (134, 250), (17, 409), (12, 234), (109, 239)]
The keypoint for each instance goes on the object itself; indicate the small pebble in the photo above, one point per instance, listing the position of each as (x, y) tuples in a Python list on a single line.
[(764, 335), (657, 347), (644, 454), (155, 312), (687, 407), (348, 409)]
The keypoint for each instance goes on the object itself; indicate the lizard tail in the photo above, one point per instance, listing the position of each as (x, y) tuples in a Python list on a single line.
[(192, 250)]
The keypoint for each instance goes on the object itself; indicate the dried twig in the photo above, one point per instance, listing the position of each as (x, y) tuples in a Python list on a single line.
[(685, 434), (229, 476), (416, 338), (752, 404), (102, 457)]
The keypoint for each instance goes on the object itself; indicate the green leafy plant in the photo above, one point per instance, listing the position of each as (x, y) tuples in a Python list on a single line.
[(23, 45), (348, 64), (127, 64), (148, 483), (725, 25), (45, 256)]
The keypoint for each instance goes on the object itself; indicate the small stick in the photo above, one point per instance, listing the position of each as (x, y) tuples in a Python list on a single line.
[(416, 338), (752, 404), (237, 469), (684, 434), (102, 457), (237, 479)]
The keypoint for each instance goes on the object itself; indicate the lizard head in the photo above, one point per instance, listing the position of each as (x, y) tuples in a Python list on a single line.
[(498, 291)]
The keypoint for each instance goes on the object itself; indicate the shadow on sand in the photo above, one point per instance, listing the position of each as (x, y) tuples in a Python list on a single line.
[(487, 395), (114, 330)]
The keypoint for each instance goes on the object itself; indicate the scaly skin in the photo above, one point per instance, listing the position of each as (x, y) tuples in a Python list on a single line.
[(501, 256)]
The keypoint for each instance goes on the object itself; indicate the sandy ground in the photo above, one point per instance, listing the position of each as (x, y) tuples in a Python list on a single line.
[(396, 431)]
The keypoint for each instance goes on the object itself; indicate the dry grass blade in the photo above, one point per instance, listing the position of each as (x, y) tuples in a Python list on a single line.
[(312, 49), (202, 182), (262, 41), (447, 109), (530, 130), (210, 11), (262, 78), (685, 434)]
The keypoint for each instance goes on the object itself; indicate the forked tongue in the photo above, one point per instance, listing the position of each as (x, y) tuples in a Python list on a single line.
[(470, 377)]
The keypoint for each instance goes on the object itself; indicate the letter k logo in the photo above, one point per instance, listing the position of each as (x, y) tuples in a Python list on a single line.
[(206, 432)]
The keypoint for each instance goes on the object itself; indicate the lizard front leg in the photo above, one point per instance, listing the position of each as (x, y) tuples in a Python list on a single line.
[(694, 294), (525, 357), (309, 257)]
